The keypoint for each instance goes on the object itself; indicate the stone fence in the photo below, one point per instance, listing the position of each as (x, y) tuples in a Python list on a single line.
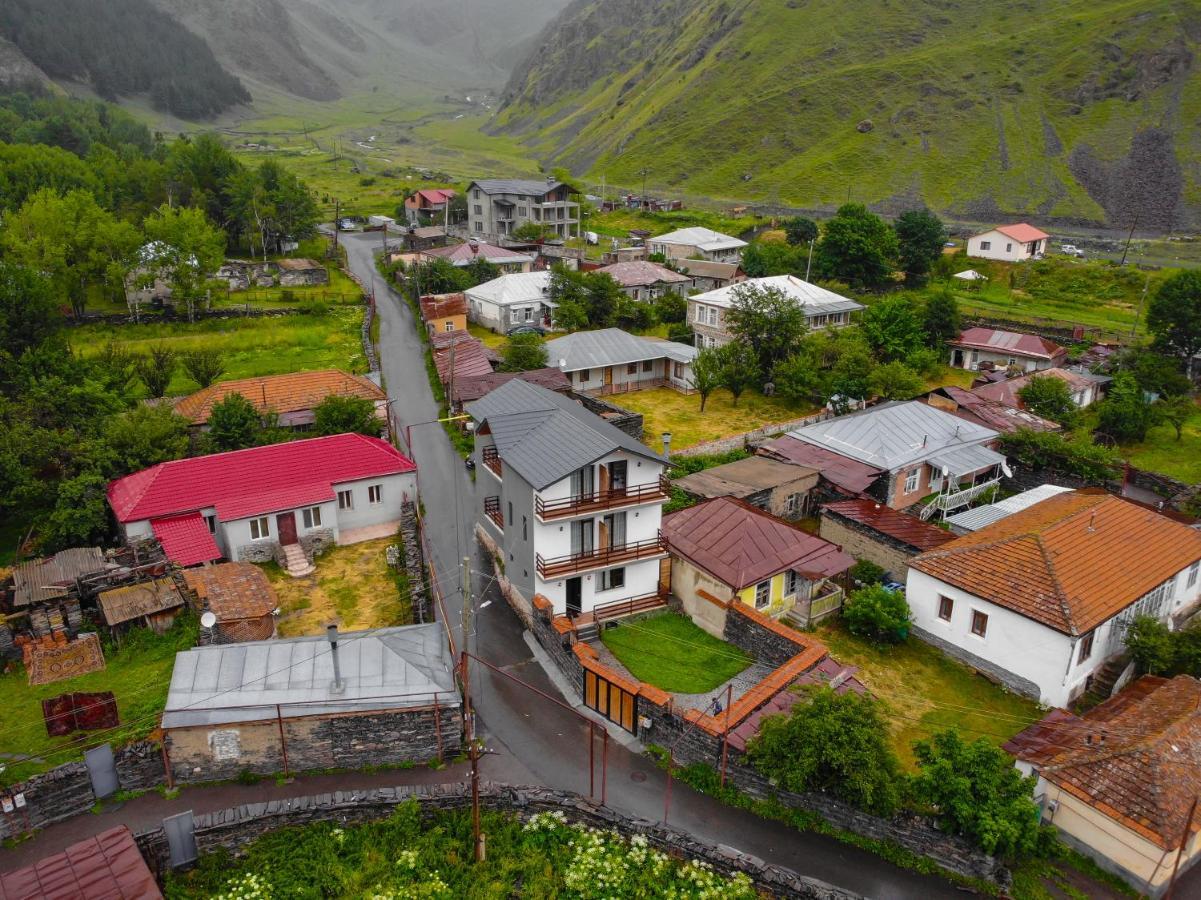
[(233, 829), (751, 438), (622, 419)]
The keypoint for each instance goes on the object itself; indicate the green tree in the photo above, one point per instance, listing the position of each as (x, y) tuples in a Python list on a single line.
[(800, 230), (670, 308), (850, 377), (439, 276), (893, 328), (480, 271), (975, 791), (28, 314), (602, 296), (920, 239), (797, 378), (570, 315), (1156, 373), (941, 320), (204, 366), (877, 613), (707, 373), (1049, 397), (633, 315), (1176, 411), (185, 247), (768, 321), (80, 514), (346, 415), (1157, 650), (857, 247), (895, 381), (156, 369), (761, 260), (834, 743), (1039, 450), (531, 231), (1125, 415), (1174, 317), (234, 424), (523, 353), (146, 436), (739, 370)]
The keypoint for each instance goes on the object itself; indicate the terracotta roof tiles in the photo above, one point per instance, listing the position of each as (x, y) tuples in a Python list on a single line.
[(279, 393), (233, 590)]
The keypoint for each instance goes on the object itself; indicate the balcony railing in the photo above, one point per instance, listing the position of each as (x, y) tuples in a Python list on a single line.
[(955, 499), (492, 461), (598, 559), (600, 500), (492, 511)]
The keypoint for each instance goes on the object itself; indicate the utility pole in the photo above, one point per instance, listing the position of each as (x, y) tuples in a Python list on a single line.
[(1188, 828), (337, 222), (1138, 312), (469, 713), (809, 265), (643, 207), (1129, 237), (725, 737)]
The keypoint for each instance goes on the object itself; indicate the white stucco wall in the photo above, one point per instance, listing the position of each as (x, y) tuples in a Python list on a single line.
[(642, 578), (1002, 247)]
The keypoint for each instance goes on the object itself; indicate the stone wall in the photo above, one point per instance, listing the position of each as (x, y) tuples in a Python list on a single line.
[(314, 543), (234, 829), (261, 552), (750, 633), (140, 766), (867, 543), (413, 561), (368, 344), (623, 419), (751, 438), (991, 671)]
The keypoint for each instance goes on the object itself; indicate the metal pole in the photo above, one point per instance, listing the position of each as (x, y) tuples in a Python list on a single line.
[(725, 738), (591, 761), (667, 794), (337, 219), (1188, 827), (809, 265), (1129, 237), (605, 768), (283, 743)]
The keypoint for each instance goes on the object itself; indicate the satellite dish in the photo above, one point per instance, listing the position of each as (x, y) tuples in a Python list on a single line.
[(208, 620)]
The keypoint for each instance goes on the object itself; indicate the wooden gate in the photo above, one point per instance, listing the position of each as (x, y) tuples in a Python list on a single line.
[(613, 702)]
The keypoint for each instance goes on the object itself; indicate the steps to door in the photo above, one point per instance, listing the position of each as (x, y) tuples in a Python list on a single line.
[(296, 563)]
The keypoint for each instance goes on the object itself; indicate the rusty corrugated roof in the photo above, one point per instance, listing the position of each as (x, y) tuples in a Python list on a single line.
[(849, 474), (108, 866), (907, 529)]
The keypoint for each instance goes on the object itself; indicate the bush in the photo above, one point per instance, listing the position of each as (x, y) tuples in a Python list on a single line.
[(1157, 650), (680, 332), (314, 308), (878, 614), (287, 295), (1071, 456), (866, 572)]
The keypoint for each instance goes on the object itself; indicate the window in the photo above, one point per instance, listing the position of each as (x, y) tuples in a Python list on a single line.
[(793, 505), (986, 245), (211, 522), (677, 371), (945, 607), (979, 623), (791, 580), (312, 517), (523, 211), (583, 375), (528, 313), (632, 369), (479, 226), (648, 365), (345, 500), (1009, 248), (478, 210), (1086, 647), (712, 315), (259, 529), (612, 579), (375, 493), (525, 528), (475, 194), (1192, 574), (449, 326), (912, 480), (762, 594)]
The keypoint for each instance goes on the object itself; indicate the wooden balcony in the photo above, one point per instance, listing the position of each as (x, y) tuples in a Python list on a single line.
[(492, 511), (602, 500), (598, 559), (492, 461)]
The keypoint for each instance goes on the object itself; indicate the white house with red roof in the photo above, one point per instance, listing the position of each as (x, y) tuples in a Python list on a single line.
[(246, 504), (1010, 243), (1004, 349)]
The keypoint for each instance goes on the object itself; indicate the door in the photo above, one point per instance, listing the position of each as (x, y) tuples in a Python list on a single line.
[(102, 770), (575, 596), (608, 376), (181, 838), (581, 537), (286, 524), (617, 476)]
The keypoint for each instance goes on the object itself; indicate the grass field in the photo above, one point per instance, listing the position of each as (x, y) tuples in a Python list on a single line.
[(670, 652), (138, 673), (1162, 453), (927, 691), (353, 586), (250, 346), (664, 409), (489, 338)]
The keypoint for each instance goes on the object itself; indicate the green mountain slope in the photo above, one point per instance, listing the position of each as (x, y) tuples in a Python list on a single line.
[(1077, 110)]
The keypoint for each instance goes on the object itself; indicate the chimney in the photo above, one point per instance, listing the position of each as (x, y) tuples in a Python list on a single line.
[(331, 633), (474, 245), (667, 444), (925, 439), (550, 179), (1092, 522)]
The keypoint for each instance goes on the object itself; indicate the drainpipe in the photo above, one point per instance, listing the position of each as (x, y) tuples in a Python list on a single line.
[(331, 633)]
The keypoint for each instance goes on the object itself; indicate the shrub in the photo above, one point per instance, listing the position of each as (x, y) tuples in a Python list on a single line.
[(287, 295), (866, 572), (878, 614), (314, 308), (1157, 650), (1072, 456)]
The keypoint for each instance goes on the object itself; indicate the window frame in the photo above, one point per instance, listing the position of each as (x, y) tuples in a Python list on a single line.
[(648, 365), (986, 245), (1086, 648), (375, 494), (979, 619), (1193, 571), (260, 528), (211, 521), (791, 583), (946, 604), (632, 368), (606, 578), (914, 475), (346, 499), (758, 589), (311, 516)]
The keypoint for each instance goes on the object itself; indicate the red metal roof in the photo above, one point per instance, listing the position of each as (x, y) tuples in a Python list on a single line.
[(475, 386), (1013, 342), (907, 529), (251, 482), (849, 474), (186, 539), (108, 866), (461, 254), (1022, 232)]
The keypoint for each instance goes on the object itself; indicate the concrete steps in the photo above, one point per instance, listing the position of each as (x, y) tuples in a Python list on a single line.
[(296, 563)]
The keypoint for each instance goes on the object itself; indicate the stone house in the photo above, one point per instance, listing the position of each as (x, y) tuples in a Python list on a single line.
[(870, 530), (702, 243), (240, 596), (496, 207), (709, 276), (460, 255), (779, 488), (645, 281), (301, 273), (707, 312)]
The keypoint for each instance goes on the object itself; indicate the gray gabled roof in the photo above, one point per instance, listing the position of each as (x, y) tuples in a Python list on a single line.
[(515, 186), (545, 436), (611, 347)]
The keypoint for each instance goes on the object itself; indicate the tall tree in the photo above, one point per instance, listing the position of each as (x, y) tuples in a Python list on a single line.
[(156, 369), (1049, 397), (921, 236), (346, 415), (800, 230), (145, 436), (186, 248), (739, 368), (523, 352), (1125, 415), (857, 247), (204, 365), (234, 424), (893, 328), (707, 371), (768, 321), (1174, 317), (28, 314), (941, 320), (895, 381)]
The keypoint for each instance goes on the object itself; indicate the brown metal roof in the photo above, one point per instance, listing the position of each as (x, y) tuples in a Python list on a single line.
[(47, 579), (126, 603), (976, 406), (841, 471), (476, 386), (745, 477), (279, 393), (909, 530), (443, 306), (108, 866), (740, 545)]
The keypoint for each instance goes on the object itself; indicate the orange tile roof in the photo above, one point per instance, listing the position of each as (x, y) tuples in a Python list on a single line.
[(1070, 562), (1136, 759), (279, 393), (233, 590)]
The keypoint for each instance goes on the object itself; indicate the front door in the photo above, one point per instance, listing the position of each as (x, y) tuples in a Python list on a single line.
[(608, 376), (575, 596), (286, 523), (617, 476)]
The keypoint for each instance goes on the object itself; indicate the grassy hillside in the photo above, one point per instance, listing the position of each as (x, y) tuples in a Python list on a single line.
[(1081, 110)]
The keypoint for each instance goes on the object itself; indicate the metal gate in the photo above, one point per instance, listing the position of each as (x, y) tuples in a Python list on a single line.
[(102, 771), (181, 838)]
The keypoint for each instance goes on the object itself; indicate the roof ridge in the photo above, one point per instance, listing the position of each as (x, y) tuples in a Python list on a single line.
[(1064, 607)]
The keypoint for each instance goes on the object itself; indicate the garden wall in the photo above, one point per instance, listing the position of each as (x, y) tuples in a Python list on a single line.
[(622, 419), (751, 438), (866, 543)]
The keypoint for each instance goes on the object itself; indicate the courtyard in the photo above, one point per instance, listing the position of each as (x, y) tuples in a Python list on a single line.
[(669, 651)]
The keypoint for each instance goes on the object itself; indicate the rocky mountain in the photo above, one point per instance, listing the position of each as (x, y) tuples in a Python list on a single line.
[(1080, 110)]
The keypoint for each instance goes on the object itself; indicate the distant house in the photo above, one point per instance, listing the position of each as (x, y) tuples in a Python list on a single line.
[(709, 276), (1119, 781), (444, 312), (1012, 243), (427, 204), (459, 255), (1085, 387), (726, 549), (253, 504), (1003, 349), (301, 273), (971, 406), (511, 301), (292, 397), (612, 361), (469, 389), (241, 598), (642, 280), (703, 243), (425, 237), (823, 309), (867, 529), (779, 488), (496, 207), (1042, 599)]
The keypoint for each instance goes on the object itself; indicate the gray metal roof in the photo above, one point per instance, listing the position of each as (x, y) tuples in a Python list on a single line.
[(893, 435), (388, 668), (611, 347), (48, 579), (981, 516), (965, 460), (545, 436), (515, 186)]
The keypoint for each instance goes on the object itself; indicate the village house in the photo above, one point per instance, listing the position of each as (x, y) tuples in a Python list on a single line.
[(921, 449), (511, 301), (571, 503), (107, 865), (867, 529), (726, 549), (1041, 599), (428, 205), (269, 502), (984, 515), (301, 273), (779, 488), (1085, 387), (151, 604), (459, 255), (444, 312), (971, 406), (709, 276), (292, 397), (823, 309), (702, 243), (497, 207), (838, 476), (346, 701), (424, 237), (1011, 243), (241, 598), (1004, 349), (642, 280), (459, 355), (469, 389), (612, 361)]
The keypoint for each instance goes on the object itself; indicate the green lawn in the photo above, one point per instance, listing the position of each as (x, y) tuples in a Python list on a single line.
[(138, 674), (490, 338), (1162, 453), (251, 346), (664, 409), (926, 691), (670, 652)]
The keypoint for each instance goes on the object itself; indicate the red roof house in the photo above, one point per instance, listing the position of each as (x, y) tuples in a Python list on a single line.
[(1011, 243), (108, 866), (1005, 348)]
